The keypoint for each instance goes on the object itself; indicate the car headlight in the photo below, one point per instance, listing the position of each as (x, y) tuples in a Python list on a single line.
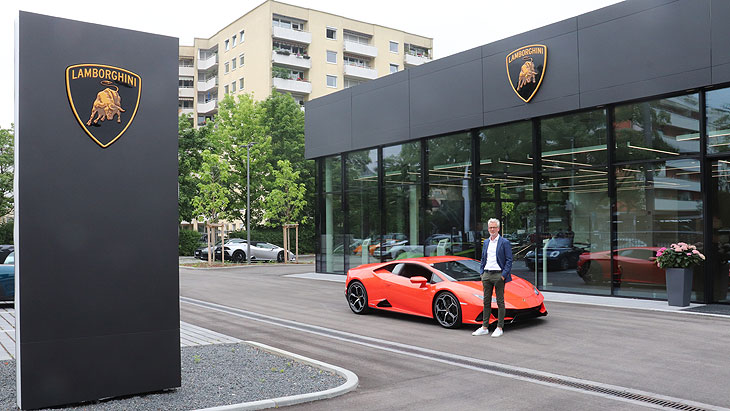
[(554, 254), (530, 254), (480, 296)]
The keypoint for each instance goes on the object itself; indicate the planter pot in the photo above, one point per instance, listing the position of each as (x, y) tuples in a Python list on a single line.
[(679, 286)]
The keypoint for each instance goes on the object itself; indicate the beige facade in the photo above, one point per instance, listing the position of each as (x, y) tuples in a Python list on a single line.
[(303, 52)]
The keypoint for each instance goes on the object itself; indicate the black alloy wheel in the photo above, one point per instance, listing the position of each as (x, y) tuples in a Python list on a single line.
[(280, 257), (239, 256), (357, 298), (447, 310)]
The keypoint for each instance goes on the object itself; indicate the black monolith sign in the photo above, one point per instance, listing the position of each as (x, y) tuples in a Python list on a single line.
[(96, 211)]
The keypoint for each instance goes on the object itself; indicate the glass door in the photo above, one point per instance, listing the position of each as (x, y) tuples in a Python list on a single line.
[(719, 199)]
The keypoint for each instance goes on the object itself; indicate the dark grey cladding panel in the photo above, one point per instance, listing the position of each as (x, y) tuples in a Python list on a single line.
[(327, 124), (558, 91), (380, 111), (619, 10), (658, 50), (538, 35), (720, 15), (446, 95)]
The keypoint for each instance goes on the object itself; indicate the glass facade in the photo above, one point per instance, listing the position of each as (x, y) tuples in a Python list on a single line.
[(585, 198)]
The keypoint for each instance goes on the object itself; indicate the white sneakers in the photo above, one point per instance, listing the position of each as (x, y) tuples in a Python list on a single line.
[(497, 332), (481, 331)]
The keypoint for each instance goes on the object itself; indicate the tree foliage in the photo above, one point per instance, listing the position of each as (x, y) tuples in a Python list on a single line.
[(7, 161), (191, 143), (285, 202), (213, 195)]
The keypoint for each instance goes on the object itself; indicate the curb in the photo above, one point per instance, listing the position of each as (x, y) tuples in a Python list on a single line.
[(348, 386)]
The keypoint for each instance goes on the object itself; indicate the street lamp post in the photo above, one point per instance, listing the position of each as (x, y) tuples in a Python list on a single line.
[(248, 203)]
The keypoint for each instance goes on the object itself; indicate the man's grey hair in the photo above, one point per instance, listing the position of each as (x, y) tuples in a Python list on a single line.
[(494, 220)]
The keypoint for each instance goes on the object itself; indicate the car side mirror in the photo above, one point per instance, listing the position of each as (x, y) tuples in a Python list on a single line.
[(419, 280)]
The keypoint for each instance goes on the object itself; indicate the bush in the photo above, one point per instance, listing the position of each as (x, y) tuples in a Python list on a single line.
[(6, 233), (276, 236), (188, 241)]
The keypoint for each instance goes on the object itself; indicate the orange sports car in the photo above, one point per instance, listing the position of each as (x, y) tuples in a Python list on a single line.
[(447, 288)]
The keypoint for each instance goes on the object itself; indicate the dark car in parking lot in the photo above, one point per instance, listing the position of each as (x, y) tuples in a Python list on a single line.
[(5, 249), (561, 254), (7, 278)]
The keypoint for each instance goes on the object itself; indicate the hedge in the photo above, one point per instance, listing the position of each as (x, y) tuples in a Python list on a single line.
[(6, 233), (188, 241)]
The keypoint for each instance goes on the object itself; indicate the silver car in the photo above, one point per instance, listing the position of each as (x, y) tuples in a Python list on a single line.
[(260, 251)]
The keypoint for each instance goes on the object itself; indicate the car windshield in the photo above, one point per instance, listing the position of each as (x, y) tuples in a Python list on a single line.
[(459, 270), (559, 243)]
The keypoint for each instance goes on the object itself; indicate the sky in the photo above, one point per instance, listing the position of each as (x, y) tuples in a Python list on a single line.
[(454, 26)]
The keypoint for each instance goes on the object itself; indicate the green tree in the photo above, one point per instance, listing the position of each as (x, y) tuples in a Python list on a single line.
[(191, 143), (7, 162), (285, 202), (212, 200)]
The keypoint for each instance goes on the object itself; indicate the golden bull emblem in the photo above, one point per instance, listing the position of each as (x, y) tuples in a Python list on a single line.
[(107, 92), (526, 69)]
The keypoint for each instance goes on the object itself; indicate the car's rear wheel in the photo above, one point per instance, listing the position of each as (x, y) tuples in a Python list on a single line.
[(447, 310), (239, 256), (280, 257), (591, 273), (357, 298)]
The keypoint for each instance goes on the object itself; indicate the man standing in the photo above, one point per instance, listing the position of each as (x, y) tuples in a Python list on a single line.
[(495, 271)]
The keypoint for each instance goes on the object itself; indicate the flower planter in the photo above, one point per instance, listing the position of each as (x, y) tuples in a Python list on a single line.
[(679, 286)]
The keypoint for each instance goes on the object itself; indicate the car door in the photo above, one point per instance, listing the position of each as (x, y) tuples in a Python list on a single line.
[(265, 251), (407, 296)]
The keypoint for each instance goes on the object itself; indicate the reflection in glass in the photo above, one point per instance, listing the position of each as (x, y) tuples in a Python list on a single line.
[(571, 254), (657, 204), (718, 121), (363, 238), (332, 229), (447, 216), (506, 149), (402, 169), (658, 129), (361, 169), (720, 195), (573, 141)]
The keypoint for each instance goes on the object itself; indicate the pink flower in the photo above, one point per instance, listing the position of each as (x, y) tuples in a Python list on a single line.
[(659, 253), (689, 254)]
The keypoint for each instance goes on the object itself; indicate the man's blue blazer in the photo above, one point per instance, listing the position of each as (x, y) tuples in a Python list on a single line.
[(504, 257)]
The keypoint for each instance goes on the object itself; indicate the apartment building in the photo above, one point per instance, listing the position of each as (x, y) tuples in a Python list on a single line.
[(303, 52)]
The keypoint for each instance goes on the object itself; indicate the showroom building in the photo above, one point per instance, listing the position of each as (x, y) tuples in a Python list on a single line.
[(595, 140)]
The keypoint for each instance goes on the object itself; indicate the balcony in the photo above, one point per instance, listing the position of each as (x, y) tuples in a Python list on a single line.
[(188, 92), (360, 72), (413, 60), (186, 71), (205, 108), (360, 49), (292, 35), (291, 60), (208, 85), (292, 86), (181, 111), (210, 62)]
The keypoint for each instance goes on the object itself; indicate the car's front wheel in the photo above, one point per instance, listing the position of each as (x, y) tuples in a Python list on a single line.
[(239, 256), (447, 310), (357, 298)]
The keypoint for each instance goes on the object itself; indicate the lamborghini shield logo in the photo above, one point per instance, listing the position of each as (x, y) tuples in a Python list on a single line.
[(104, 100), (526, 69)]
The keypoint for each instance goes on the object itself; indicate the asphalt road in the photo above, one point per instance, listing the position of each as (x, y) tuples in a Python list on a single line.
[(678, 355)]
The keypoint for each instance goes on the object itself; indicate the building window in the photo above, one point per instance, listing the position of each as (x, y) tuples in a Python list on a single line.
[(331, 33), (240, 60), (233, 64), (227, 69), (331, 56), (349, 82), (228, 45), (185, 62), (233, 87), (393, 47), (393, 68), (240, 83), (332, 81), (185, 103), (356, 37), (356, 61), (234, 40), (241, 35), (225, 89), (288, 23), (287, 48), (185, 82)]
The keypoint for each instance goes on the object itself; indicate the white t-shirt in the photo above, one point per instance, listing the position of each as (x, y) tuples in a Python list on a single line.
[(492, 255)]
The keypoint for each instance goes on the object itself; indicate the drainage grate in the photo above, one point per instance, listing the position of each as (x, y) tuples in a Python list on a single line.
[(609, 391)]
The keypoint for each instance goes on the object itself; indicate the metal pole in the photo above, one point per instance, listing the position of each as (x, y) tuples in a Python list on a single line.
[(248, 207)]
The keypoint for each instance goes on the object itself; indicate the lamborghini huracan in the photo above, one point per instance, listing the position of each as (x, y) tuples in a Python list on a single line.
[(446, 288)]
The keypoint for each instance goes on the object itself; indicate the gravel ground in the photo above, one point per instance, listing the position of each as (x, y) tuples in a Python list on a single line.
[(212, 375)]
